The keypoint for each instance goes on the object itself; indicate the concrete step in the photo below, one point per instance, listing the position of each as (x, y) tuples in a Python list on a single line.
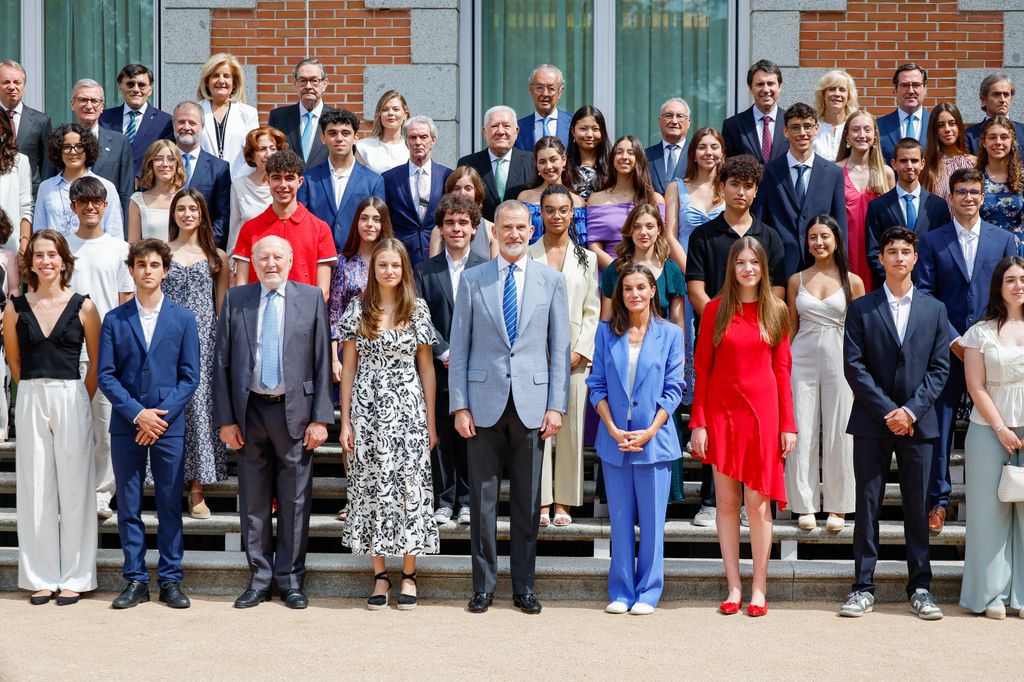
[(557, 578), (325, 525)]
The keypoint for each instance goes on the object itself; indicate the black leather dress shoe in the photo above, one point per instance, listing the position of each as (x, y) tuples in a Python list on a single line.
[(480, 602), (251, 598), (527, 603), (133, 594), (171, 594), (294, 599)]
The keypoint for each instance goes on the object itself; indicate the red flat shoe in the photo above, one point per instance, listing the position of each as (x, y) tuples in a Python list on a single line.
[(729, 608), (755, 611)]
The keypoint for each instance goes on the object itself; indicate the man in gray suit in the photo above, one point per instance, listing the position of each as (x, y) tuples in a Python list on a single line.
[(115, 161), (508, 388), (272, 407), (31, 128)]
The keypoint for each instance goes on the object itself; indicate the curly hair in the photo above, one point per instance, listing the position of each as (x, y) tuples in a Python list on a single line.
[(8, 146), (54, 153), (1014, 174)]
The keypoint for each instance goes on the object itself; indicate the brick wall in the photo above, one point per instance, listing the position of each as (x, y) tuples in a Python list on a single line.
[(871, 38), (344, 35)]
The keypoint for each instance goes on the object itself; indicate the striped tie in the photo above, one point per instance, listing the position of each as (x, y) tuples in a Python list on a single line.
[(132, 127), (509, 304)]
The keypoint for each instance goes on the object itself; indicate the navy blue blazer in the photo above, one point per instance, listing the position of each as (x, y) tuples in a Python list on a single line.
[(134, 379), (885, 212), (942, 272), (740, 135), (886, 375), (656, 161), (658, 384), (317, 195), (972, 136), (405, 221), (115, 164), (777, 206), (154, 125), (889, 131), (212, 178), (527, 139)]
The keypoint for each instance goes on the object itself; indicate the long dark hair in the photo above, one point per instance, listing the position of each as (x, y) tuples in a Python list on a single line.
[(839, 255), (574, 236), (354, 240), (204, 229), (601, 152), (643, 188), (552, 142), (996, 305), (933, 148), (620, 314), (8, 145)]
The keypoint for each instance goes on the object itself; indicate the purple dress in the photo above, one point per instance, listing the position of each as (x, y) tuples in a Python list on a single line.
[(348, 281), (604, 223)]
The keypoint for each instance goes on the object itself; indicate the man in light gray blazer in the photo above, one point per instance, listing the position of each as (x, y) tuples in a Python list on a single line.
[(508, 382), (271, 400)]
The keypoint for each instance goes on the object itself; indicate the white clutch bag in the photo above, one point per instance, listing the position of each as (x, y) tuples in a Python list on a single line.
[(1011, 484)]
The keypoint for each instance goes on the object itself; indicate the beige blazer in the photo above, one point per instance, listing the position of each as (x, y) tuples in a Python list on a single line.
[(584, 300)]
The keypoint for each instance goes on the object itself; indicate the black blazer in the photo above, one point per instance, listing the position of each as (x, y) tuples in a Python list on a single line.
[(886, 375), (212, 178), (522, 175), (885, 212), (155, 125), (434, 285), (287, 120), (115, 164), (740, 135), (34, 129)]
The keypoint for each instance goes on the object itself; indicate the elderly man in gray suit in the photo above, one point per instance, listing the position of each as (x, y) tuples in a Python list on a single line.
[(509, 387), (271, 390)]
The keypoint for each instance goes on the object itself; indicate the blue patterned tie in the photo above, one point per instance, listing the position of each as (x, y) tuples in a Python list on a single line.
[(307, 135), (509, 304), (188, 170), (910, 126), (270, 369), (132, 127), (911, 211)]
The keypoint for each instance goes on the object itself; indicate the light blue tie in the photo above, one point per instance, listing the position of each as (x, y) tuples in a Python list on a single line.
[(307, 135), (911, 211), (910, 126), (549, 126), (509, 304), (188, 170), (270, 360), (132, 127)]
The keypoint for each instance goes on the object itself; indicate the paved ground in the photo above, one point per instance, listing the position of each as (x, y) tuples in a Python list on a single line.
[(339, 639)]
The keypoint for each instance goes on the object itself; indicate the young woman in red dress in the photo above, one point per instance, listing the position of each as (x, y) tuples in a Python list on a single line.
[(742, 420)]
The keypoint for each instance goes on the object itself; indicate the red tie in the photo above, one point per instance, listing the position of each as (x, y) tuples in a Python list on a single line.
[(10, 115), (766, 139)]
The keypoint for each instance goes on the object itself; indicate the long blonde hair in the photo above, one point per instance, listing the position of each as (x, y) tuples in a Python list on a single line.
[(405, 297), (772, 315), (878, 181)]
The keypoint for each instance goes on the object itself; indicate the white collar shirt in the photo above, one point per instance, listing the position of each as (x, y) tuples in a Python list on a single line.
[(968, 240)]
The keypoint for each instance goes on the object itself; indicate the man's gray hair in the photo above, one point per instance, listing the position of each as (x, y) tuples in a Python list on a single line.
[(510, 205), (15, 65), (86, 83), (674, 100), (271, 240), (500, 109), (307, 62), (548, 67), (189, 104), (419, 120), (988, 81)]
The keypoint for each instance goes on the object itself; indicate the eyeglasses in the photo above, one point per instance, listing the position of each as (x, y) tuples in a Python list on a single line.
[(72, 148), (310, 81), (910, 86), (141, 85), (551, 211), (805, 127), (975, 193), (89, 100), (545, 89), (675, 117), (94, 203)]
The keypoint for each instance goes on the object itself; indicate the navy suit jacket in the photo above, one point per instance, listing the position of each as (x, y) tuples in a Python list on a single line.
[(889, 131), (522, 174), (317, 195), (656, 161), (405, 221), (134, 378), (287, 120), (942, 272), (777, 206), (115, 164), (885, 374), (155, 125), (527, 140), (434, 285), (885, 212), (740, 135), (212, 178), (972, 136)]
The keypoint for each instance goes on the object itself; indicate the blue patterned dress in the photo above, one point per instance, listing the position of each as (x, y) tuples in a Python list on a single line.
[(1004, 209), (579, 221)]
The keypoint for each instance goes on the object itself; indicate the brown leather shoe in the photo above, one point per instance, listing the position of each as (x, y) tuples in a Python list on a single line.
[(936, 520)]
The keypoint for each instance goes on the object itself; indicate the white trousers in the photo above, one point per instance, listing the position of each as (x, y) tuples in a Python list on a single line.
[(561, 478), (101, 437), (57, 533)]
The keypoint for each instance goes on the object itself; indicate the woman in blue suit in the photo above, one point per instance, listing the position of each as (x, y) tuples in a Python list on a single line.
[(635, 383)]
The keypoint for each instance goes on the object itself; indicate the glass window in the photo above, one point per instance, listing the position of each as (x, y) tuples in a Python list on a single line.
[(10, 29), (520, 34), (92, 39), (670, 48)]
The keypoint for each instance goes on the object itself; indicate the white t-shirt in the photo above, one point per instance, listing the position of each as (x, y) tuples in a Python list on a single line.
[(100, 270)]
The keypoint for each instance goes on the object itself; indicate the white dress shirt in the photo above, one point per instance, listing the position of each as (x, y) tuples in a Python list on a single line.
[(900, 193), (339, 178), (126, 117), (520, 275), (666, 152), (191, 165), (538, 124), (917, 122), (759, 122), (414, 191), (317, 111), (148, 319), (968, 239), (793, 175), (258, 360), (900, 309), (455, 270), (17, 116)]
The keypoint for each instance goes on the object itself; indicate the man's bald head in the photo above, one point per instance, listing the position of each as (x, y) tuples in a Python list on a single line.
[(272, 260)]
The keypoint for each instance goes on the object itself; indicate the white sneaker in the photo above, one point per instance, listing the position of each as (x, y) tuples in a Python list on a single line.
[(996, 612), (807, 522), (923, 604), (616, 607), (641, 609), (705, 517), (464, 516), (443, 515), (103, 509)]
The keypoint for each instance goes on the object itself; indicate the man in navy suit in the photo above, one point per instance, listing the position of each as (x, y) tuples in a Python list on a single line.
[(31, 128), (910, 118), (204, 172), (744, 133), (896, 355), (667, 158), (415, 188), (505, 170), (300, 122), (546, 87), (333, 190), (957, 262), (115, 160), (908, 198), (141, 123), (996, 94), (799, 186), (149, 369)]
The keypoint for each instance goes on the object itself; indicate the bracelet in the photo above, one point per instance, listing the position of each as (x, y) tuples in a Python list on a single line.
[(1001, 427), (25, 238)]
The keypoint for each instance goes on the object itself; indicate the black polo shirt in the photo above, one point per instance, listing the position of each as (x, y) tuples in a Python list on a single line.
[(706, 257)]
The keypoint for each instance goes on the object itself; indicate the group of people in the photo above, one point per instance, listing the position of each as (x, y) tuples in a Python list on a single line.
[(856, 278)]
